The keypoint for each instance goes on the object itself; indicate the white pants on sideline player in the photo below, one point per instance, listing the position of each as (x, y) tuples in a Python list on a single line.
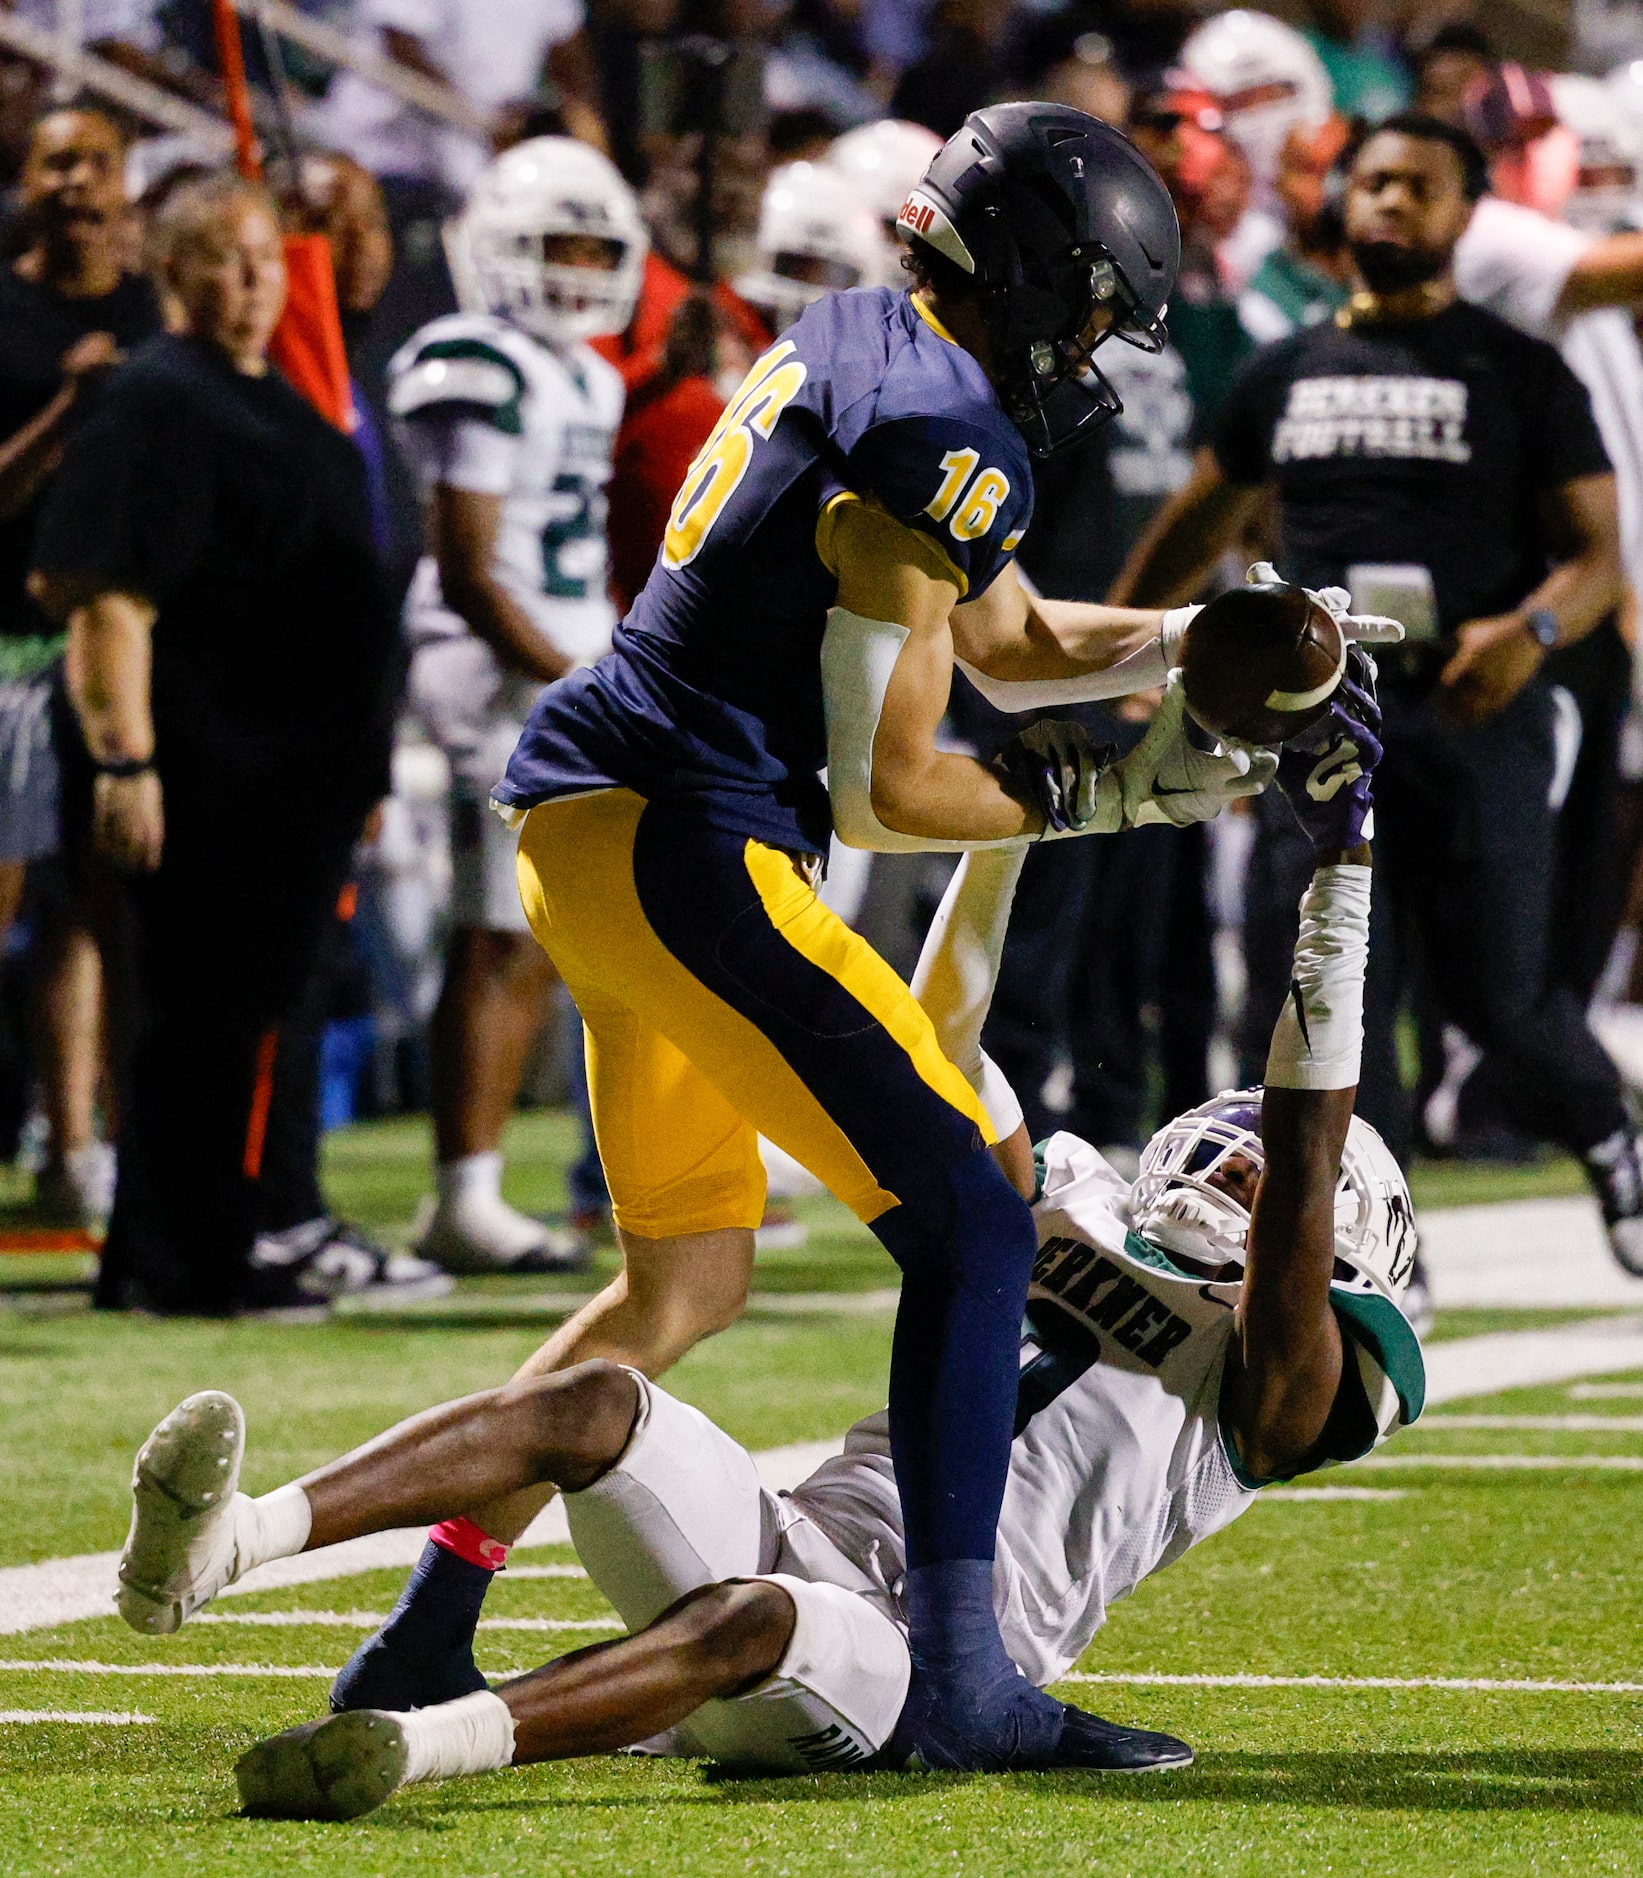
[(683, 1508), (475, 711)]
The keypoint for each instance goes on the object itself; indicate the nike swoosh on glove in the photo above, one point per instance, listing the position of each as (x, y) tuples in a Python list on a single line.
[(1358, 629), (1057, 767), (1167, 777), (1325, 772)]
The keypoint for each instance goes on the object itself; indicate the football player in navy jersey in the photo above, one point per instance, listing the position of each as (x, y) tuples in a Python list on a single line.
[(845, 533)]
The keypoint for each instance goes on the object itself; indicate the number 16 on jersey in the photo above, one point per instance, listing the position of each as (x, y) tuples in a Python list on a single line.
[(723, 460)]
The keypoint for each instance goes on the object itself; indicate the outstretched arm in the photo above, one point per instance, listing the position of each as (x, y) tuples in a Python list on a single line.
[(1286, 1366)]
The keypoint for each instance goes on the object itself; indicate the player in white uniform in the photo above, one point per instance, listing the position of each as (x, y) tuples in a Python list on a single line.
[(1231, 1321), (509, 420)]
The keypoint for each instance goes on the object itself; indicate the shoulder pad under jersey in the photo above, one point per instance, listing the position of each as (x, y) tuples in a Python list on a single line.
[(460, 367)]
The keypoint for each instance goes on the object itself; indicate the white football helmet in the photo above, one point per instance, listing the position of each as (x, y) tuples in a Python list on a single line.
[(1605, 196), (884, 160), (1266, 78), (816, 236), (1175, 1205), (549, 186)]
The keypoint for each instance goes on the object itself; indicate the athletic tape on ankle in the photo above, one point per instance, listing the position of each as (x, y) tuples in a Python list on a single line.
[(472, 1735), (1318, 1040), (467, 1541), (276, 1525)]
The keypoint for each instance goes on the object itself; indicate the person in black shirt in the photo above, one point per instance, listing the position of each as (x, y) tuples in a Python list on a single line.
[(233, 659), (67, 310), (1445, 468)]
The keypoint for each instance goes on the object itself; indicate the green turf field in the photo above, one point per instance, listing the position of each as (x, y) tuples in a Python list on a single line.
[(1442, 1575)]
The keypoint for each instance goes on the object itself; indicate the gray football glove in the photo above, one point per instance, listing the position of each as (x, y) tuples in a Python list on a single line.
[(1360, 629), (1167, 777), (1057, 767)]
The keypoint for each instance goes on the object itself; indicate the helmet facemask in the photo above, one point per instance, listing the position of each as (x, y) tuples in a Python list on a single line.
[(1178, 1201), (511, 249), (555, 300)]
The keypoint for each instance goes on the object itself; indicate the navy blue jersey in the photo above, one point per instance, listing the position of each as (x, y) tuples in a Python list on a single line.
[(713, 691)]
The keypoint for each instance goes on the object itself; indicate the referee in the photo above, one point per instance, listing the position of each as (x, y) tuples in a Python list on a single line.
[(233, 659), (1447, 469)]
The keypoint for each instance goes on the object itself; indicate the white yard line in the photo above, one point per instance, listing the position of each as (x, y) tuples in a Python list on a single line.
[(1520, 1359), (77, 1666), (1331, 1493), (368, 1620), (1548, 1424), (1523, 1252), (64, 1590), (1512, 1463), (1605, 1392), (1487, 1685), (103, 1717)]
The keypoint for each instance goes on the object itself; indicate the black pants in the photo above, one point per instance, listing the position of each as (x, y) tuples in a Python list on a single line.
[(1107, 933), (1466, 853), (216, 947)]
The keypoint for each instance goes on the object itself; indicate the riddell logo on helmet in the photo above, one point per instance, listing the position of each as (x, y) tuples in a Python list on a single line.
[(922, 217)]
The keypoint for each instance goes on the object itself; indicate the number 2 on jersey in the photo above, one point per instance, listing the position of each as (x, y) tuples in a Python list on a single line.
[(721, 463)]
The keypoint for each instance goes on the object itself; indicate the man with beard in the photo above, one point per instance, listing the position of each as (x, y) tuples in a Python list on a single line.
[(1446, 468)]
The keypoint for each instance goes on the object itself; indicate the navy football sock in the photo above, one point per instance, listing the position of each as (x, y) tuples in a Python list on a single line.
[(965, 1244), (969, 1706), (423, 1654), (966, 1249)]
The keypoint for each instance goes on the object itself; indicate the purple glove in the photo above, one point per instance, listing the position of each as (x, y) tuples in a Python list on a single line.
[(1325, 772)]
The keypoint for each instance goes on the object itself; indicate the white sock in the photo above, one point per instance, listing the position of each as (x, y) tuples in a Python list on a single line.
[(474, 1176), (472, 1735), (275, 1526)]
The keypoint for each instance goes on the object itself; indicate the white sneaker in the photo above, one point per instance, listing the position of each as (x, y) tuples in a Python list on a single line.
[(337, 1768), (326, 1259), (78, 1190), (474, 1233), (181, 1549)]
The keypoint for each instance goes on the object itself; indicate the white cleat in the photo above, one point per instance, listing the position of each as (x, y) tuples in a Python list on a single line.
[(337, 1768), (181, 1549)]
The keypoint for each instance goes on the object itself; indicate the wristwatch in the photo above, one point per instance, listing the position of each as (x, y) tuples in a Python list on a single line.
[(1541, 626)]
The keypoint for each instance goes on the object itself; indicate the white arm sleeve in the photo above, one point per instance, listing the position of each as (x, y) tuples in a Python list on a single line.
[(1318, 1040), (958, 969), (857, 657), (1143, 670)]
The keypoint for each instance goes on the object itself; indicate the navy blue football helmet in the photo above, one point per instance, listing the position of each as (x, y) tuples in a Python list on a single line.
[(1053, 214)]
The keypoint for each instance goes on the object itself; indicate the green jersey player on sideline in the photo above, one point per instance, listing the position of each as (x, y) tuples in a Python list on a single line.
[(1230, 1321), (508, 419)]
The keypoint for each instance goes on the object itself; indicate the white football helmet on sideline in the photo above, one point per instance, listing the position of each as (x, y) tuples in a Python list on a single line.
[(1266, 78), (884, 160), (497, 250), (1605, 195), (1178, 1204), (816, 236)]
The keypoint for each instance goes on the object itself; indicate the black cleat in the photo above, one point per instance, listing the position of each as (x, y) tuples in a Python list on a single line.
[(1105, 1747), (1615, 1170)]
